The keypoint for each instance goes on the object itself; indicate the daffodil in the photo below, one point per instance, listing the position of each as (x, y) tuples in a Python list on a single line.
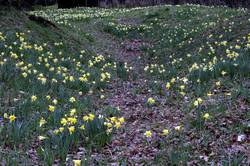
[(206, 116), (223, 73), (165, 132), (64, 121), (148, 134), (172, 80), (121, 120), (42, 122), (5, 115), (55, 101), (33, 98), (151, 101), (117, 125), (56, 131), (77, 162), (209, 94), (52, 108), (41, 138), (71, 129), (168, 85), (12, 118), (218, 83), (61, 129), (85, 118), (72, 112), (197, 102), (82, 127), (24, 74), (91, 117), (72, 120), (182, 87), (72, 100), (113, 119), (178, 128), (109, 125)]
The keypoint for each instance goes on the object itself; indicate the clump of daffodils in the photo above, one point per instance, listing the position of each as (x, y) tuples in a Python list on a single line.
[(198, 102)]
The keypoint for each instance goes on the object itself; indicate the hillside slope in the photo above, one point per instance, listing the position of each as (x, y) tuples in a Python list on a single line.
[(163, 85)]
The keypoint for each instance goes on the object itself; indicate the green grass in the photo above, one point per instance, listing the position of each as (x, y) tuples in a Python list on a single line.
[(202, 53)]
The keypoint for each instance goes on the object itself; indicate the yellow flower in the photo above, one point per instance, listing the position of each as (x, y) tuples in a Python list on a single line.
[(206, 116), (72, 120), (196, 103), (48, 97), (177, 128), (182, 93), (5, 115), (209, 94), (109, 130), (148, 134), (40, 138), (121, 120), (33, 98), (56, 131), (199, 100), (72, 99), (172, 80), (182, 87), (109, 125), (52, 108), (24, 74), (77, 162), (85, 118), (72, 112), (113, 119), (218, 83), (82, 127), (118, 125), (55, 101), (42, 122), (223, 73), (91, 117), (151, 100), (64, 121), (71, 129), (237, 47), (165, 132), (61, 129), (12, 118), (168, 85)]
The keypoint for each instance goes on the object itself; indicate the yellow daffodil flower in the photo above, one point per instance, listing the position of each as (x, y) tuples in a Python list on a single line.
[(148, 134), (12, 118)]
